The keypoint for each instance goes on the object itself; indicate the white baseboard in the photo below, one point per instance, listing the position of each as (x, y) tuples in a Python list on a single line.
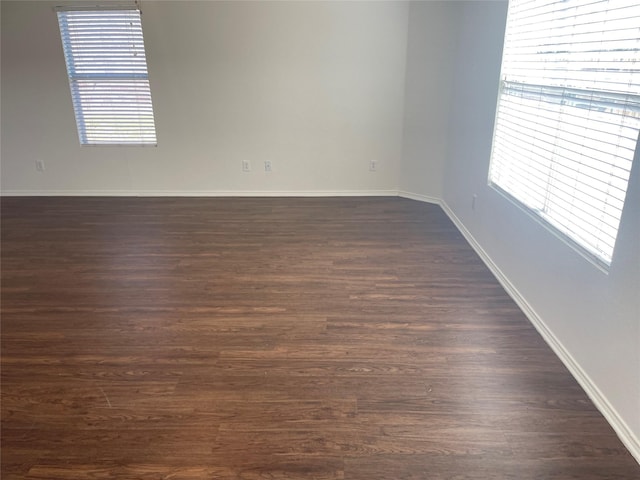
[(419, 197), (205, 193), (67, 193), (626, 435)]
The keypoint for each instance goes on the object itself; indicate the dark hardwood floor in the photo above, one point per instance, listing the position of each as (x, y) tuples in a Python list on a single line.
[(298, 338)]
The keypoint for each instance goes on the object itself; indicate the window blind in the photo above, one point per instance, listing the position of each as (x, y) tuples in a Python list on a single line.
[(107, 68), (568, 114)]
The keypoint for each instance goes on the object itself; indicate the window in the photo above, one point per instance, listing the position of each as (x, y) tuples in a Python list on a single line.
[(107, 68), (568, 115)]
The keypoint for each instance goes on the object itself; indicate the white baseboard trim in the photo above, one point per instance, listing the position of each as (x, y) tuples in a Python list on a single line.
[(67, 193), (419, 197), (205, 193), (626, 435)]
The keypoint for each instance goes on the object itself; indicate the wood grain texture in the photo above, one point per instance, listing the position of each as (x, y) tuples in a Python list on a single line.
[(333, 338)]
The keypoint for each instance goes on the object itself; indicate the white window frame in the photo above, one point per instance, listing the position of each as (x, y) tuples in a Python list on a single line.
[(108, 77)]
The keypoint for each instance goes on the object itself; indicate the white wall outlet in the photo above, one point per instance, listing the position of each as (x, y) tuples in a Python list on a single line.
[(267, 166), (40, 165), (246, 166), (473, 201), (373, 165)]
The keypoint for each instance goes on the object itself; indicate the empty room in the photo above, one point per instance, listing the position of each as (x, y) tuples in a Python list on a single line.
[(357, 240)]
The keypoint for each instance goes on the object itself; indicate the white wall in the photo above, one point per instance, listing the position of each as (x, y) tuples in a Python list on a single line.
[(433, 28), (317, 88), (591, 318)]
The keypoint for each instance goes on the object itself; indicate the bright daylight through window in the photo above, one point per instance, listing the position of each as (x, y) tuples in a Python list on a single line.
[(107, 67), (569, 114)]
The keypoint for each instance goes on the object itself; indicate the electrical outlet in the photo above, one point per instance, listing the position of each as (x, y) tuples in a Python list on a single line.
[(246, 166), (473, 201), (40, 165), (267, 166), (373, 165)]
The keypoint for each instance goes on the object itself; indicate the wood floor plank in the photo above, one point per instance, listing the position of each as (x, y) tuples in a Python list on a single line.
[(281, 338)]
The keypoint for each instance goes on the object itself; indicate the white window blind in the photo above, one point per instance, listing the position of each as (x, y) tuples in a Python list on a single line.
[(568, 114), (107, 67)]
